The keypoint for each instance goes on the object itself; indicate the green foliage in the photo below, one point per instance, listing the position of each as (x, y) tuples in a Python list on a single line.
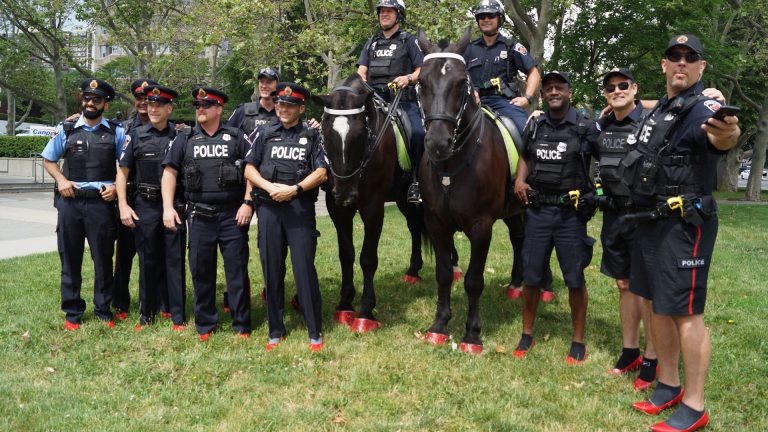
[(21, 146)]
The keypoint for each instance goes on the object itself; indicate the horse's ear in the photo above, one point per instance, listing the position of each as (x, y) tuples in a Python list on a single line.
[(464, 41), (322, 100), (424, 43)]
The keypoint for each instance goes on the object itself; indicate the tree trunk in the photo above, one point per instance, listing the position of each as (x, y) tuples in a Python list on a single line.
[(728, 172), (758, 155), (10, 127)]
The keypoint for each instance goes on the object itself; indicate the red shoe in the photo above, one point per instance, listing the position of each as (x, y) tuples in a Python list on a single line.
[(205, 337), (362, 325), (243, 335), (69, 326), (166, 315), (179, 327), (122, 316), (522, 353), (514, 293), (344, 317), (471, 348), (664, 427), (570, 361), (547, 296), (630, 367), (272, 345), (457, 274), (649, 408), (413, 280), (315, 347), (140, 327), (110, 323), (437, 339), (641, 384)]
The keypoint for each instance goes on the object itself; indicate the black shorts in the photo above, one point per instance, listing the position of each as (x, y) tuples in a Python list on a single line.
[(564, 230), (670, 265), (616, 237)]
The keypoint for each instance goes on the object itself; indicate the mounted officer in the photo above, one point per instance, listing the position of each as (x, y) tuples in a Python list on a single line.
[(394, 56)]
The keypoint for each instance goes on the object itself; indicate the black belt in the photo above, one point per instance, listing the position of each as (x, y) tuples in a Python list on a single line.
[(87, 193)]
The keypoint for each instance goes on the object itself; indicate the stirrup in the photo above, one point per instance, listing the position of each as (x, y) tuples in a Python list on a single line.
[(414, 195)]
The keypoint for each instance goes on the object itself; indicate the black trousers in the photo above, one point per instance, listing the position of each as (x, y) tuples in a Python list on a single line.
[(125, 250), (232, 240), (282, 226), (161, 263), (80, 219)]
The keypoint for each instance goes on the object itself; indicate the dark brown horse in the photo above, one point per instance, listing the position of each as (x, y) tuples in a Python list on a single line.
[(463, 178), (364, 175)]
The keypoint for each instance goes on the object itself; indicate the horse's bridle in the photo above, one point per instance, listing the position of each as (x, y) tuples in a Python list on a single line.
[(456, 121), (347, 113)]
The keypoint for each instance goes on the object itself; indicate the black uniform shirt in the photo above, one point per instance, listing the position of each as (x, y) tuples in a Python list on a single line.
[(256, 153), (572, 117), (238, 117), (594, 131), (128, 158), (175, 156)]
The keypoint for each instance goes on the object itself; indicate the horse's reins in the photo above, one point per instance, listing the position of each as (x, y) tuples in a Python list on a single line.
[(371, 148)]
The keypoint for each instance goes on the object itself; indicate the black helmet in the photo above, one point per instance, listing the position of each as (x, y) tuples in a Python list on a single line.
[(490, 7), (398, 5)]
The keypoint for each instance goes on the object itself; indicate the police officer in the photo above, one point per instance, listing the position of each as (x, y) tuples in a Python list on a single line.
[(209, 157), (161, 251), (493, 62), (251, 115), (671, 175), (394, 56), (85, 195), (608, 140), (552, 180), (286, 164), (125, 247)]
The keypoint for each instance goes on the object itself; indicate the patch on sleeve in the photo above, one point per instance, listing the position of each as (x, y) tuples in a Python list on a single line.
[(55, 132), (521, 49), (126, 141), (694, 262), (713, 105), (597, 126)]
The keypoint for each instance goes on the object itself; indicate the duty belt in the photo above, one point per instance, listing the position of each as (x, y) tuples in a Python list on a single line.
[(87, 193), (148, 191), (208, 212)]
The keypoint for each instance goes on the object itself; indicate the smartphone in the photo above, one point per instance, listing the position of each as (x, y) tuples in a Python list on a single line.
[(725, 110)]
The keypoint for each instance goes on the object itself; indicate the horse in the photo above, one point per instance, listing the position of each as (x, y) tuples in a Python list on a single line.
[(365, 174), (464, 178)]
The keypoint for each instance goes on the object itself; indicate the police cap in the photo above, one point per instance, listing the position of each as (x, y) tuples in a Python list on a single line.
[(291, 93), (98, 87), (687, 40), (270, 73), (158, 93), (562, 76), (137, 87), (626, 73), (210, 94)]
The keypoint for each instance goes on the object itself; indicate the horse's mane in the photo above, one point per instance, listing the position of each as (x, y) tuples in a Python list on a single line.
[(443, 44)]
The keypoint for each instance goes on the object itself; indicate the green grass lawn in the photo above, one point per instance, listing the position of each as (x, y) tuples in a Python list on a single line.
[(99, 379)]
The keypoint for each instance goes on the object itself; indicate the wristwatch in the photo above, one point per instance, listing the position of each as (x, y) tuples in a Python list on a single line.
[(530, 99), (248, 202), (299, 189)]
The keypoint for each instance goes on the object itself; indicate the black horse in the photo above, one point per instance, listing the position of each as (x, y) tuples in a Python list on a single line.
[(464, 178), (365, 174)]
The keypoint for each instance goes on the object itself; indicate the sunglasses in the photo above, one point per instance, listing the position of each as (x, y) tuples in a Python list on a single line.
[(610, 88), (484, 16), (203, 104), (690, 56), (97, 100)]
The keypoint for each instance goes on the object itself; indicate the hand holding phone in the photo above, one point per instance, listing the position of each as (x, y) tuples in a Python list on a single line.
[(726, 110)]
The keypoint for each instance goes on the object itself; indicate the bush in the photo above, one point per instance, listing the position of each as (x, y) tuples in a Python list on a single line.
[(21, 146)]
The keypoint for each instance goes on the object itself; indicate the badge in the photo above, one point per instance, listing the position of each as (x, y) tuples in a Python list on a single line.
[(226, 137), (503, 55), (288, 91), (94, 85), (201, 94), (561, 146), (669, 117), (631, 139), (712, 105), (446, 181), (597, 126), (303, 140), (521, 49), (144, 84), (393, 46), (156, 91), (682, 39)]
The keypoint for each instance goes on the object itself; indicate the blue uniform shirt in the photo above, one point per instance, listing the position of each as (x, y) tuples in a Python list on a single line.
[(56, 146), (485, 62)]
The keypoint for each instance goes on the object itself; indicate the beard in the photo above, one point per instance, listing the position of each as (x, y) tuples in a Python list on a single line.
[(93, 115)]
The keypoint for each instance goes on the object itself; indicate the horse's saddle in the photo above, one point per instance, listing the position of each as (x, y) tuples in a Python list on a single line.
[(513, 141), (401, 126)]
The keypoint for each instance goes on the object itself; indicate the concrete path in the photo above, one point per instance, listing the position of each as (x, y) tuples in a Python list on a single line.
[(28, 223)]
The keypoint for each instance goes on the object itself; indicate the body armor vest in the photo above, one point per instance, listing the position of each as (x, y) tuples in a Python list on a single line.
[(556, 154), (213, 169), (655, 169), (388, 58), (90, 156), (288, 160), (613, 146), (253, 117), (149, 151)]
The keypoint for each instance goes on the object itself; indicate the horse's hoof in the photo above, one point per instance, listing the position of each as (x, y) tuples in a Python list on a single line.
[(411, 279), (514, 293), (344, 317), (362, 325), (437, 339), (457, 275), (470, 348)]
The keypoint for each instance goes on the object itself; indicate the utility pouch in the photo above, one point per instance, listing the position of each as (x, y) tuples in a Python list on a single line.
[(193, 179), (204, 212), (534, 200), (229, 175)]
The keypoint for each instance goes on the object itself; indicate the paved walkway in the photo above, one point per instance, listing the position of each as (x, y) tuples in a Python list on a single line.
[(28, 223)]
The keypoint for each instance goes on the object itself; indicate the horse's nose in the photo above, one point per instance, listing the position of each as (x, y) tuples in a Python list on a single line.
[(345, 199)]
